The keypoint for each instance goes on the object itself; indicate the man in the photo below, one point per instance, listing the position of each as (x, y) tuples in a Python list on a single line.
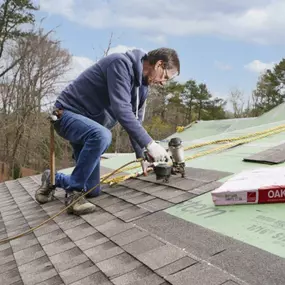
[(112, 90)]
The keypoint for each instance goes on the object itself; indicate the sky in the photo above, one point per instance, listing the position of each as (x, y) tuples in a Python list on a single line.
[(225, 44)]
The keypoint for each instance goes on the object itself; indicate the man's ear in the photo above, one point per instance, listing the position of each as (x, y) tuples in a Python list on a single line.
[(158, 64)]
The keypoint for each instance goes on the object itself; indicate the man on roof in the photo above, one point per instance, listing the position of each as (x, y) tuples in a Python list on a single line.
[(113, 90)]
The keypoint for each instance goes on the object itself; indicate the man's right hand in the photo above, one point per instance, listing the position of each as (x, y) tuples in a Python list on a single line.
[(157, 152)]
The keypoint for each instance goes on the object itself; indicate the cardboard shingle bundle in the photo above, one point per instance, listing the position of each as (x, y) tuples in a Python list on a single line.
[(263, 185)]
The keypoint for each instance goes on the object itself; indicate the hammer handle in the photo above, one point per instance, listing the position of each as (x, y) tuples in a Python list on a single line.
[(52, 155)]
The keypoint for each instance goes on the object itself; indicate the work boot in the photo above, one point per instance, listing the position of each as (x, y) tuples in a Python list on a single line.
[(46, 192), (81, 207)]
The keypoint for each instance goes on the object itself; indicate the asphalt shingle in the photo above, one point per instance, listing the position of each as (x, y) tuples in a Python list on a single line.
[(152, 188), (168, 193), (142, 245), (114, 227), (129, 194), (19, 230), (141, 275), (81, 231), (6, 256), (119, 206), (13, 224), (129, 236), (97, 278), (132, 213), (161, 256), (110, 190), (241, 257), (10, 277), (134, 183), (179, 232), (98, 218), (143, 197), (208, 175), (198, 274), (176, 266), (91, 241), (37, 271), (3, 235), (118, 265), (52, 208), (13, 216), (175, 182), (48, 228), (51, 237), (24, 242), (78, 272), (272, 155), (56, 280), (66, 221), (103, 251), (185, 184), (205, 188), (8, 266), (31, 210), (58, 246), (68, 259), (29, 254), (181, 198), (34, 220), (156, 204), (108, 201), (120, 192)]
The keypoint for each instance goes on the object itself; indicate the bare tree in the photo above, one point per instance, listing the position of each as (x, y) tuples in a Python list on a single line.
[(106, 51), (24, 88), (238, 102)]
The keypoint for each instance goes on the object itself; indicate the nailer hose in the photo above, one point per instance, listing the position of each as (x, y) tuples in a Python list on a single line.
[(71, 204)]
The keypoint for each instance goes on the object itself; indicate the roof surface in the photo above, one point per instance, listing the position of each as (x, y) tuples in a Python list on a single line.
[(147, 232)]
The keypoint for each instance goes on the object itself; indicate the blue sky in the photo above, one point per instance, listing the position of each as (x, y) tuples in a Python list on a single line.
[(225, 45)]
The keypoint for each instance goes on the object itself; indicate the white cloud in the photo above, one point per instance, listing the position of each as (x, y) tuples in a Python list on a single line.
[(260, 21), (65, 7), (259, 66), (222, 65), (78, 64), (120, 48)]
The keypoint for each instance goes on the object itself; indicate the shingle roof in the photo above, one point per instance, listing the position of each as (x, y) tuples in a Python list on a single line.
[(133, 238), (106, 247)]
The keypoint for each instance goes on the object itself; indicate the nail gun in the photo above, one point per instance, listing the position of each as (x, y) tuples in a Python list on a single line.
[(163, 170), (177, 155)]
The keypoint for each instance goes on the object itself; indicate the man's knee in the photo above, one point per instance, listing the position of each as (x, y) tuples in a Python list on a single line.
[(102, 137), (106, 137)]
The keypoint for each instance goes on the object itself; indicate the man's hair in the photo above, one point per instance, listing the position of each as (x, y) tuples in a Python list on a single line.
[(167, 55)]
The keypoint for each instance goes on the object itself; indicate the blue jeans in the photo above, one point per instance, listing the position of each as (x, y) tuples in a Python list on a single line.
[(89, 141)]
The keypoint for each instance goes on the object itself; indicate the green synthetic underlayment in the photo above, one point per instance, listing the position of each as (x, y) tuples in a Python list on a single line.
[(228, 160), (219, 129), (207, 129), (262, 226)]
